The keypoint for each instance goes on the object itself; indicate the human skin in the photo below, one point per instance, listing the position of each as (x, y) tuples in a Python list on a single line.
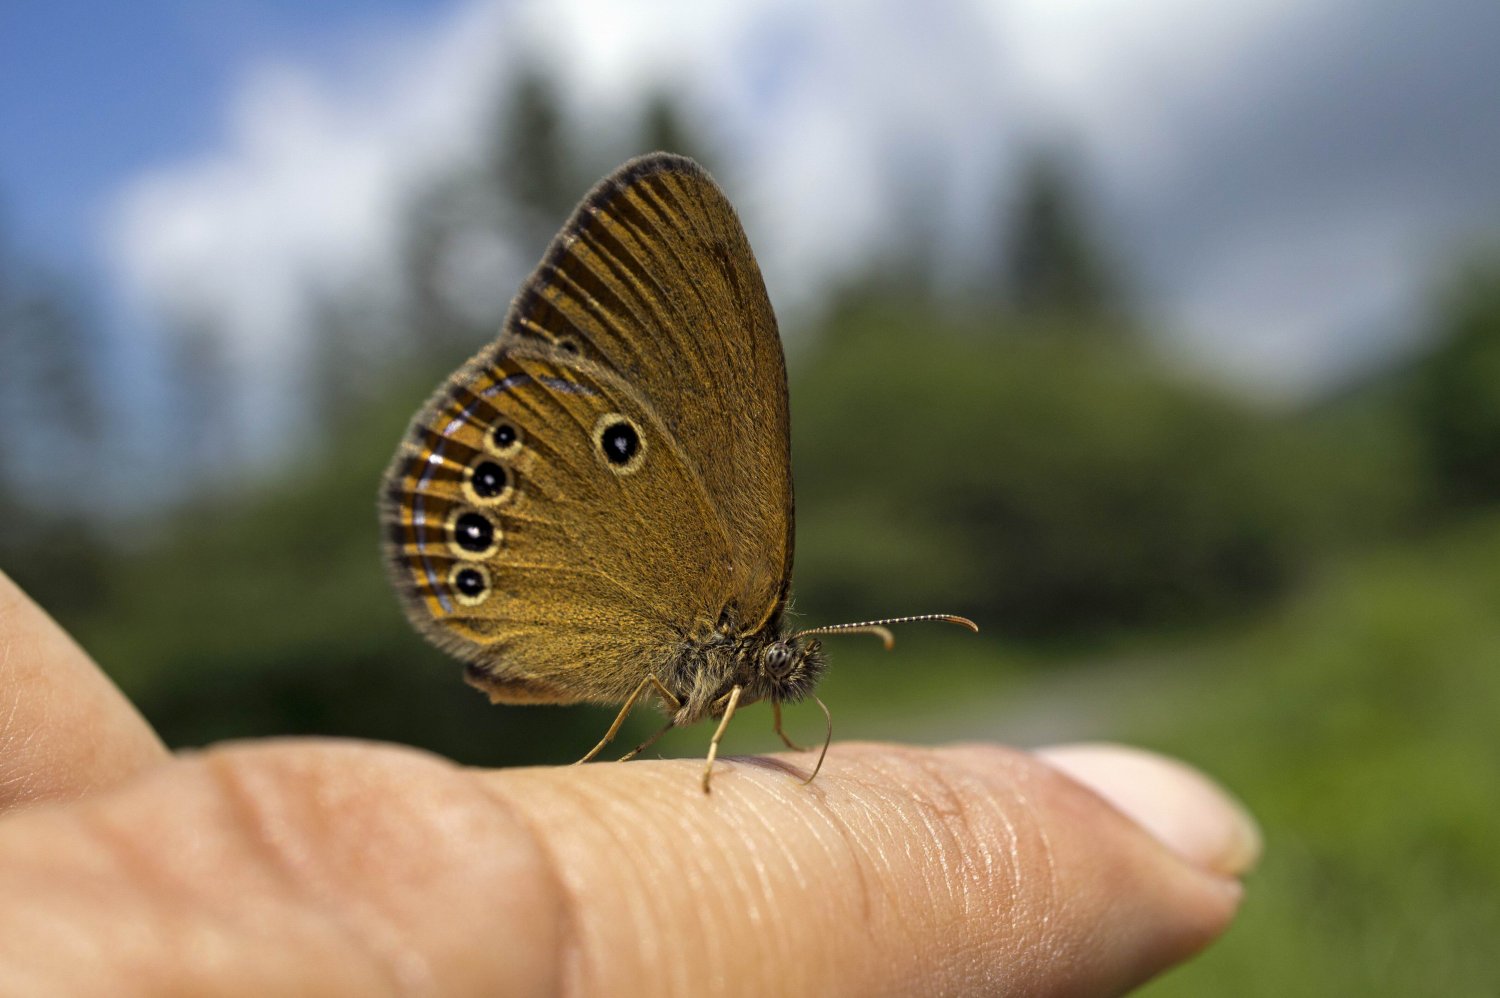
[(313, 866)]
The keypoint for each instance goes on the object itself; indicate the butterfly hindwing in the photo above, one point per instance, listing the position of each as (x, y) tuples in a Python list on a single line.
[(563, 555)]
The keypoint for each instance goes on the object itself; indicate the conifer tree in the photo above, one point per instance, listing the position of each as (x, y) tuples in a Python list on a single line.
[(1051, 263)]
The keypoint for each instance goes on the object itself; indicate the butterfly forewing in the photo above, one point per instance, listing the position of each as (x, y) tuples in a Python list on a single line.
[(654, 277), (613, 472)]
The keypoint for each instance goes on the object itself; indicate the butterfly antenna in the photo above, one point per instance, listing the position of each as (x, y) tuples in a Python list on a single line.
[(880, 630)]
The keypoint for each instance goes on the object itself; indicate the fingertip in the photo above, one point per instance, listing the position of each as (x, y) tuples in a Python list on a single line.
[(1182, 808), (989, 850)]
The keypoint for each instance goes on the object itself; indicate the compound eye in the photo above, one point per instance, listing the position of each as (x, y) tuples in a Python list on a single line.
[(778, 660)]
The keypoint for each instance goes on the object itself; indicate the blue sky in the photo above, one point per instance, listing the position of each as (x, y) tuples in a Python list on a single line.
[(94, 93)]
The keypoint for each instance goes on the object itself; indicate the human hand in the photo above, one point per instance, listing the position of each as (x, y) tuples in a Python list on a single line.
[(316, 866)]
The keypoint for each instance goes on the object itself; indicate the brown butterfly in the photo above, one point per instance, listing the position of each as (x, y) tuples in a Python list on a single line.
[(598, 506)]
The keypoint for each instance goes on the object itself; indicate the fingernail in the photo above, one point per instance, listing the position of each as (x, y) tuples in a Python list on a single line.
[(1185, 810)]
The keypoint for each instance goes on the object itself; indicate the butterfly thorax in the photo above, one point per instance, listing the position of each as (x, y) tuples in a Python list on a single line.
[(767, 664)]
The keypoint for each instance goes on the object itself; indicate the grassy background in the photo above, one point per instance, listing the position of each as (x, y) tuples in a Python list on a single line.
[(1358, 723)]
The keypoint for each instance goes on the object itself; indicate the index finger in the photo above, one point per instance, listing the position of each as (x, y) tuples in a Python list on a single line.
[(65, 728), (315, 867)]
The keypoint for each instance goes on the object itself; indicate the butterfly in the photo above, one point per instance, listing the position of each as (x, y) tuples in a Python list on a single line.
[(597, 507)]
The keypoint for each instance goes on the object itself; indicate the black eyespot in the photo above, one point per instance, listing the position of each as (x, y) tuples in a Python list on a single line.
[(488, 479), (568, 346), (504, 435), (474, 532), (619, 442), (469, 581), (470, 584)]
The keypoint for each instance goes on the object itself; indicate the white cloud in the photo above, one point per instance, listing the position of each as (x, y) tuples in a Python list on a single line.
[(1279, 316), (1129, 74)]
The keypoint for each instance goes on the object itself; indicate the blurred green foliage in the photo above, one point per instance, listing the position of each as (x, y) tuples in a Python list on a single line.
[(1455, 401), (1055, 482), (1359, 725)]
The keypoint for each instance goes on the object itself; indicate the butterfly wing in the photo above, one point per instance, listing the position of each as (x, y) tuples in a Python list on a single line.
[(654, 278), (612, 476)]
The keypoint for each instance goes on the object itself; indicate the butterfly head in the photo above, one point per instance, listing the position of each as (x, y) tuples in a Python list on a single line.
[(789, 668)]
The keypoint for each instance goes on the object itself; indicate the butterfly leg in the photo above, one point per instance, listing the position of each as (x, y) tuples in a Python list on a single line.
[(669, 699), (614, 728), (785, 738), (643, 746), (713, 746)]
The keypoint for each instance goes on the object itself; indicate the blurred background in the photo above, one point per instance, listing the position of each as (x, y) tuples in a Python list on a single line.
[(1161, 338)]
